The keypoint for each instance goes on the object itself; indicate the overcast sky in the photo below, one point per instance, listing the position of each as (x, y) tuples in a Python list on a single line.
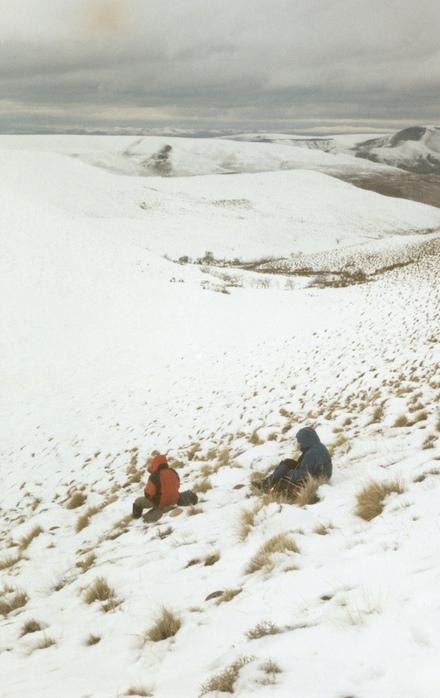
[(262, 64)]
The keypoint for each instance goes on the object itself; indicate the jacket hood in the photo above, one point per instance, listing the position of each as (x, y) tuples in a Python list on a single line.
[(307, 437), (157, 462)]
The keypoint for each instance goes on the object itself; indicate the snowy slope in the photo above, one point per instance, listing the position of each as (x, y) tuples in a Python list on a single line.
[(110, 351), (415, 149)]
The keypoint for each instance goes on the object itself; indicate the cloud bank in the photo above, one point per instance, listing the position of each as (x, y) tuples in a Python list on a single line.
[(228, 63)]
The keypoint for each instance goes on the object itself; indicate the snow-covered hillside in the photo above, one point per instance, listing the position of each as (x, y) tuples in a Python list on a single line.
[(110, 351), (415, 149)]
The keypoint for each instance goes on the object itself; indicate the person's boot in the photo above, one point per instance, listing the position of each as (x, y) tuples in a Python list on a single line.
[(137, 511)]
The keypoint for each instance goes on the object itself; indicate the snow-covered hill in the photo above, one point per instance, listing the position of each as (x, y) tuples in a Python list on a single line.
[(110, 351), (415, 149)]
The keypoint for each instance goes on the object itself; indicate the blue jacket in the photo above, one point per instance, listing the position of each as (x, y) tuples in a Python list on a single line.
[(315, 460)]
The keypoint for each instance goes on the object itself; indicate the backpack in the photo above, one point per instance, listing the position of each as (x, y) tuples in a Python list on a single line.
[(187, 498)]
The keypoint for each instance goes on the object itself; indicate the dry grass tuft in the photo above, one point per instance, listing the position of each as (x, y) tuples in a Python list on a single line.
[(84, 519), (423, 476), (45, 642), (247, 520), (120, 527), (363, 605), (262, 560), (228, 595), (101, 591), (92, 640), (266, 627), (323, 529), (340, 440), (254, 439), (224, 681), (308, 492), (378, 413), (76, 500), (27, 539), (164, 532), (202, 486), (9, 602), (370, 500), (271, 669), (401, 421), (212, 559), (9, 561), (166, 625), (193, 450), (138, 691), (429, 441), (30, 626), (87, 561), (223, 458)]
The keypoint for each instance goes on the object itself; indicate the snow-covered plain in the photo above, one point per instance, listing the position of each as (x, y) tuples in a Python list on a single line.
[(111, 350)]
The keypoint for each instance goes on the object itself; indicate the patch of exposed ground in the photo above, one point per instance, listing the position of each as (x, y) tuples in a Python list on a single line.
[(424, 188)]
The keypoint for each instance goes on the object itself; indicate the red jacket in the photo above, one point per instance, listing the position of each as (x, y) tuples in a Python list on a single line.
[(163, 484)]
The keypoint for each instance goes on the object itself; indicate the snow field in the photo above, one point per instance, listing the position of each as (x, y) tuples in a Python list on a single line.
[(112, 352)]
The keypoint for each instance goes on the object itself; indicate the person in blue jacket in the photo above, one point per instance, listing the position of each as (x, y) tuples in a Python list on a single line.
[(315, 461)]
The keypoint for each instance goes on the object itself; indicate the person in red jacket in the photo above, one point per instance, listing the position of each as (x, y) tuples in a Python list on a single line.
[(162, 488)]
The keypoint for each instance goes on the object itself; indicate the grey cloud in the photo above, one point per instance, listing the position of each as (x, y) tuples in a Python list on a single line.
[(221, 60)]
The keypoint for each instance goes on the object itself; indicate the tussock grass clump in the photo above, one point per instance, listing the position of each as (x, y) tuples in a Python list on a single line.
[(84, 520), (194, 448), (262, 560), (100, 590), (31, 626), (271, 669), (45, 642), (378, 413), (341, 440), (224, 681), (9, 561), (254, 439), (164, 532), (202, 486), (370, 500), (308, 492), (76, 500), (120, 527), (401, 421), (228, 595), (323, 529), (423, 476), (212, 559), (266, 627), (27, 539), (246, 521), (11, 602), (92, 640), (165, 625), (224, 457), (207, 469), (429, 441), (138, 691), (87, 561), (62, 580)]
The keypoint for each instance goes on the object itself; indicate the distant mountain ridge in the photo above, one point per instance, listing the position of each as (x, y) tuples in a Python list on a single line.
[(416, 149)]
